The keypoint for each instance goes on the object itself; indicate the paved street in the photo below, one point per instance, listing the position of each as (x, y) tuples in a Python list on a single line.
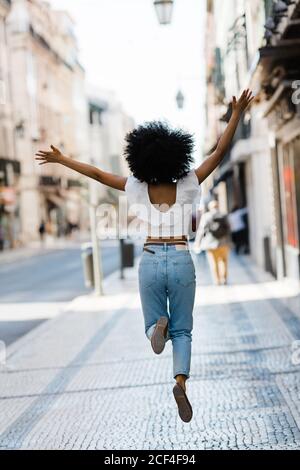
[(54, 276), (37, 287), (88, 379)]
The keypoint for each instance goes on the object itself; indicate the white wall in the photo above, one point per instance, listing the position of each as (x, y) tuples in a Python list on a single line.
[(260, 187)]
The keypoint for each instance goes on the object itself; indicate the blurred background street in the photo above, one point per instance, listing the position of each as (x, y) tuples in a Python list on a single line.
[(36, 284)]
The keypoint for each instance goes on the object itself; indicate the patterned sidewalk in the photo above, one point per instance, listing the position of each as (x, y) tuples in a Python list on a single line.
[(89, 380)]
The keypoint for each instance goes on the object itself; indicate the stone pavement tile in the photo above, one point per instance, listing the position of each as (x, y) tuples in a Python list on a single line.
[(229, 327), (27, 382), (289, 386), (95, 382), (57, 342), (144, 418), (10, 410)]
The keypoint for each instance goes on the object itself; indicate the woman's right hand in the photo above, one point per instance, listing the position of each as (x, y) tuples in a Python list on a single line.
[(54, 156), (104, 177)]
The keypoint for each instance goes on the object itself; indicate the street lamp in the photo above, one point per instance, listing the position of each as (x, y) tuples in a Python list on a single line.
[(164, 10), (180, 99)]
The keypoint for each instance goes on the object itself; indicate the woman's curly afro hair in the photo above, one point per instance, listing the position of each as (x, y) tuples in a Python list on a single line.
[(158, 154)]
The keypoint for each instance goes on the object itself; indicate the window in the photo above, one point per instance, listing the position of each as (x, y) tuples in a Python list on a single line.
[(91, 116), (296, 153), (269, 7)]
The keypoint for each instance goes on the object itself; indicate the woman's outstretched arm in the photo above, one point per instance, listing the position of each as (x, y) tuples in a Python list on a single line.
[(55, 156), (211, 163)]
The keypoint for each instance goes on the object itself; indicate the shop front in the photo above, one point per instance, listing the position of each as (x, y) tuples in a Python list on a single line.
[(9, 204), (279, 69), (60, 205), (289, 179), (284, 122)]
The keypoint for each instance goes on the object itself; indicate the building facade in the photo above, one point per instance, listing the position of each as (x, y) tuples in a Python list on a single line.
[(44, 100), (48, 107), (251, 174), (108, 124), (9, 166), (278, 71)]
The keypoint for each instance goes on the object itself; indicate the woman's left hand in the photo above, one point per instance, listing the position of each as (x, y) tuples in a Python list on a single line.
[(239, 106)]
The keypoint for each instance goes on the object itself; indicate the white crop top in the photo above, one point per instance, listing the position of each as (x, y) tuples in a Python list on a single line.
[(151, 219)]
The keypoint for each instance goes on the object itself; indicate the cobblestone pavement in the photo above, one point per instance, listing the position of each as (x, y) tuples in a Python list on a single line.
[(89, 380)]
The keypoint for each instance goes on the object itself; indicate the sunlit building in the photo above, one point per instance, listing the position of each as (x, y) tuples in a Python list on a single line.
[(49, 107), (108, 124), (278, 71), (9, 166), (257, 46)]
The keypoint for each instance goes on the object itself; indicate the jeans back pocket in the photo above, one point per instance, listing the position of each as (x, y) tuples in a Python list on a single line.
[(147, 272), (184, 270)]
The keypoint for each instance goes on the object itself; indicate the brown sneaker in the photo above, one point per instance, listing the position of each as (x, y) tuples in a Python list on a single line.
[(158, 339), (185, 409)]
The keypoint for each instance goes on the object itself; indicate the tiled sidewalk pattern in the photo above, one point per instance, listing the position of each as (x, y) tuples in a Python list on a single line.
[(89, 380)]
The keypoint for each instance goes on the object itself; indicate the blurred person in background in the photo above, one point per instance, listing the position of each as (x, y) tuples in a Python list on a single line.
[(42, 230), (213, 236), (1, 236), (161, 190), (239, 229)]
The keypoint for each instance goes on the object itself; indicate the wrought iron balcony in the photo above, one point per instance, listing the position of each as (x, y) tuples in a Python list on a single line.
[(49, 181), (283, 21), (280, 57)]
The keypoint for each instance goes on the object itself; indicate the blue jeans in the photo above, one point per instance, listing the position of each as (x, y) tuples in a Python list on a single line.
[(167, 285)]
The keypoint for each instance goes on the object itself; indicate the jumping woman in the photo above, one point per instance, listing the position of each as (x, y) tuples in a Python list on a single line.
[(162, 188)]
